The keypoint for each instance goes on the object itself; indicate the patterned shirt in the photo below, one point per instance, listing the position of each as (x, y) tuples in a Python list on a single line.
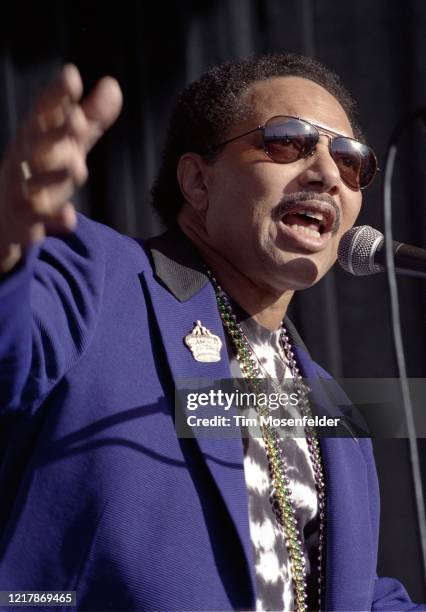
[(272, 565)]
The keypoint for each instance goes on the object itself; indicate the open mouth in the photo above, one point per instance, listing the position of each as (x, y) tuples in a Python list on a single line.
[(313, 219)]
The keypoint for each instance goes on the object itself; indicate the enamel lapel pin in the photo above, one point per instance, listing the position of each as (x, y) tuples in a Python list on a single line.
[(204, 345)]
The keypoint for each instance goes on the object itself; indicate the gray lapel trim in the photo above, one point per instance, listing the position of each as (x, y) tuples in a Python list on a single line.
[(177, 264)]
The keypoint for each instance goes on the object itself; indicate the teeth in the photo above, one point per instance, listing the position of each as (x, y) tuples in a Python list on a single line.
[(314, 215), (306, 230)]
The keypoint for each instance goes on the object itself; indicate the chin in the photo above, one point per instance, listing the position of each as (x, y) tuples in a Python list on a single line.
[(302, 273)]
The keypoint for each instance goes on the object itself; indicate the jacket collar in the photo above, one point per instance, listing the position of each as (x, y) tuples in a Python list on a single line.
[(177, 264)]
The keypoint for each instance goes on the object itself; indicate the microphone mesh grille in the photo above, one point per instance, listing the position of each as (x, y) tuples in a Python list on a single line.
[(357, 248)]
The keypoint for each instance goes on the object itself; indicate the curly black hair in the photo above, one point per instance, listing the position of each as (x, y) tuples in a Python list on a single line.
[(209, 106)]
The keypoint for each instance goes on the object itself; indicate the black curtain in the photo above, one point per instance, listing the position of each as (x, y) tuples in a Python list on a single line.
[(153, 49)]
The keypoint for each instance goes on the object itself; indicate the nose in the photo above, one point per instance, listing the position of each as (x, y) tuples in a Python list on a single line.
[(320, 171)]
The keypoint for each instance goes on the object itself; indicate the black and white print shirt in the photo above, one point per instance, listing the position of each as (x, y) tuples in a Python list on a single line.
[(274, 583)]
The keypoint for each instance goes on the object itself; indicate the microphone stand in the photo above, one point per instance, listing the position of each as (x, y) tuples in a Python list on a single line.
[(396, 326)]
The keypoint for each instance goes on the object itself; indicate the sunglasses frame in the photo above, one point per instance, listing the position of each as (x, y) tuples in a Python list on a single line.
[(331, 134)]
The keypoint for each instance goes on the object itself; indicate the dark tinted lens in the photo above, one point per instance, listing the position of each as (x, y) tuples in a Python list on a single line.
[(356, 162), (287, 139)]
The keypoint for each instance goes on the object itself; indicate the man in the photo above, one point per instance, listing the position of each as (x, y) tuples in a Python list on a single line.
[(99, 493)]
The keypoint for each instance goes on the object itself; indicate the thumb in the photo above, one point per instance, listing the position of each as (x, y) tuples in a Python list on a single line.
[(101, 108)]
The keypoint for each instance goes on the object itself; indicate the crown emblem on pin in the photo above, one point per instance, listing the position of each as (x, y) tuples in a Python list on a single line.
[(204, 345)]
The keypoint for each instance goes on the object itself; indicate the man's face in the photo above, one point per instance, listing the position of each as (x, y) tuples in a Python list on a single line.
[(248, 193)]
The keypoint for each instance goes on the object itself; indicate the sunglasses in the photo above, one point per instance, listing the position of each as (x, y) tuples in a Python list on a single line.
[(287, 139)]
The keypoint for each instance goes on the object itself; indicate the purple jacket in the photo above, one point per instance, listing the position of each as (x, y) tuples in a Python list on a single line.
[(97, 493)]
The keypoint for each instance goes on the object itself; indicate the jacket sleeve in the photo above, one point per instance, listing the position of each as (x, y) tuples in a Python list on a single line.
[(389, 594), (48, 311)]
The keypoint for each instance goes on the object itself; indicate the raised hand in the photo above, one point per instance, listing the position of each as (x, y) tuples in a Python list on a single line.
[(47, 162)]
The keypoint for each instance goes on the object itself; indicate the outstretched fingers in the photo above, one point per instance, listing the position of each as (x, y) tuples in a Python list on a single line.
[(47, 162), (101, 108)]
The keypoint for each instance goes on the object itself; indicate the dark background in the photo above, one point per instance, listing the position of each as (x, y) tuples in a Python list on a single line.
[(153, 49)]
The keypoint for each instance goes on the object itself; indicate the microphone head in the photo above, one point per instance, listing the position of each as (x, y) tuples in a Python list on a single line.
[(357, 249)]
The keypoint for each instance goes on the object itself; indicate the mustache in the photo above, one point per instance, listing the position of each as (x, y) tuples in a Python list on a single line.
[(288, 201)]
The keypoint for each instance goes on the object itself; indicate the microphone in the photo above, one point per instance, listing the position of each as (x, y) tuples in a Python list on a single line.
[(362, 252)]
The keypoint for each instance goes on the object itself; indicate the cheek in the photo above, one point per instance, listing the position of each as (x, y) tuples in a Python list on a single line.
[(228, 218), (235, 203), (350, 211)]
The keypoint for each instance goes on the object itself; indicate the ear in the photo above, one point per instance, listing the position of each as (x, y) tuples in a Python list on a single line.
[(192, 175)]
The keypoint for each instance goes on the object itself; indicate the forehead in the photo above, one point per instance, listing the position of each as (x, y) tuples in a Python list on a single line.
[(298, 97)]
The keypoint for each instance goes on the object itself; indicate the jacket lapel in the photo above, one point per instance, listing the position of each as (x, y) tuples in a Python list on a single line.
[(223, 456), (350, 556)]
